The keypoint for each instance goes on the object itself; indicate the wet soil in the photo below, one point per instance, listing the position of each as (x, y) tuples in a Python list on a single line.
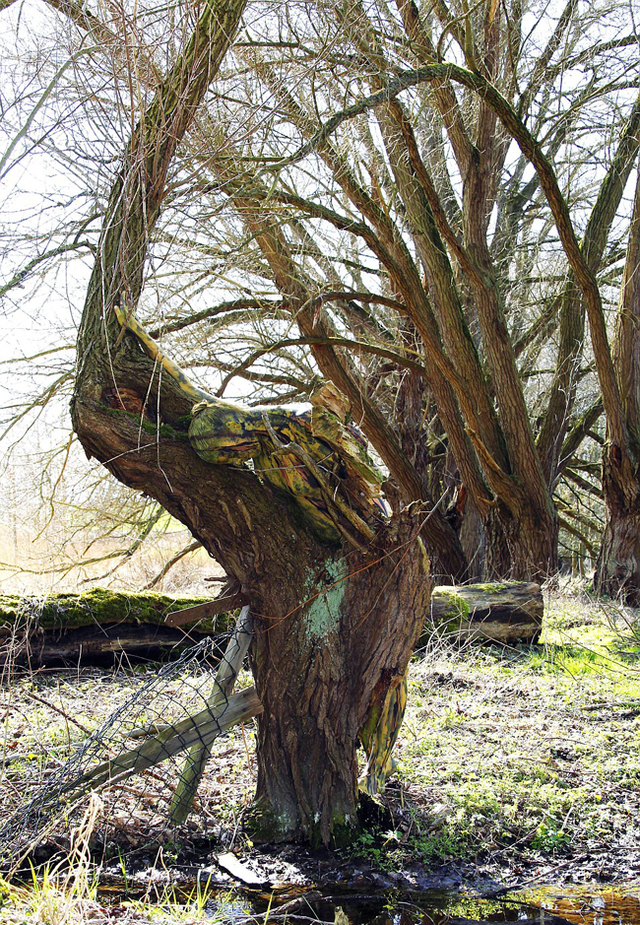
[(303, 886)]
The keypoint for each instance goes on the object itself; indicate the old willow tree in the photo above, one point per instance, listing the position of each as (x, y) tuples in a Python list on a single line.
[(422, 205), (393, 198), (338, 600)]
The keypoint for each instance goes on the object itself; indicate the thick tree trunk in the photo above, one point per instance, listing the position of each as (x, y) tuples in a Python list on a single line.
[(618, 567), (521, 548), (320, 668), (334, 628), (518, 543)]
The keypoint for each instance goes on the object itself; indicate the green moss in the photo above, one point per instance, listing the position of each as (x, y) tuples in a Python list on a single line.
[(344, 830), (264, 826), (164, 430), (457, 610), (493, 587), (153, 427), (97, 606), (9, 605)]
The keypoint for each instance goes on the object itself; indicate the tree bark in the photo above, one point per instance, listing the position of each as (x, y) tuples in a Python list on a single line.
[(333, 628), (522, 545), (618, 566), (320, 668)]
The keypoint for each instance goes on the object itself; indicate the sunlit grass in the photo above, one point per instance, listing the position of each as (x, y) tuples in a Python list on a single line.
[(532, 749), (72, 897)]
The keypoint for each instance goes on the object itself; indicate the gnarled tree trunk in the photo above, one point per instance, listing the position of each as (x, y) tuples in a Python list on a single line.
[(618, 566), (335, 625), (523, 546), (320, 667)]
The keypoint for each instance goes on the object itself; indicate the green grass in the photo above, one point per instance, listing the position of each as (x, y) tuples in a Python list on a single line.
[(56, 897), (530, 750)]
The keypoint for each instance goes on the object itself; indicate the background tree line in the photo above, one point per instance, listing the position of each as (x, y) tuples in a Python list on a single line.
[(408, 251)]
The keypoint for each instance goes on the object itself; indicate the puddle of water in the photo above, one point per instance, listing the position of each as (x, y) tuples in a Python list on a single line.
[(548, 906), (618, 905)]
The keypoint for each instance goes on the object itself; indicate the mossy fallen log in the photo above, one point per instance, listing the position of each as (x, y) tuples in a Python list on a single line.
[(101, 625), (97, 626), (506, 612)]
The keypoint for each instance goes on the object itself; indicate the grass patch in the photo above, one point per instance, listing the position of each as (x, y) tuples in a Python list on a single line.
[(532, 750), (58, 897)]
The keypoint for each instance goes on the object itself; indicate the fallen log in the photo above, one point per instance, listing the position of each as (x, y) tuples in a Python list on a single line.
[(506, 612), (98, 626), (101, 626)]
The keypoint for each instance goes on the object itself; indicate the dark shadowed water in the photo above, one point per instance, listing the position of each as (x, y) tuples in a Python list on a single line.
[(611, 905)]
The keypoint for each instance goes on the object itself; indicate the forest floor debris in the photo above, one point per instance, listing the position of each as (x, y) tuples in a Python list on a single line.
[(516, 767)]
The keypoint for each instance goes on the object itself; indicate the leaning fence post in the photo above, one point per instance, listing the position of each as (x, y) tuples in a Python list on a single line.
[(224, 680)]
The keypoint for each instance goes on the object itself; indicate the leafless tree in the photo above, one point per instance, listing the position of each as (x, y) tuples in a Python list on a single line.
[(412, 203)]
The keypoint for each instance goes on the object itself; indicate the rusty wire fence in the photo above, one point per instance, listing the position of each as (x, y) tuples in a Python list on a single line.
[(145, 762)]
